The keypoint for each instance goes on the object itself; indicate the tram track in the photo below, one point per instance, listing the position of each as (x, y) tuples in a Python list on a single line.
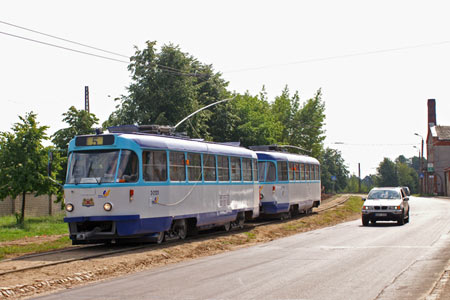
[(79, 253)]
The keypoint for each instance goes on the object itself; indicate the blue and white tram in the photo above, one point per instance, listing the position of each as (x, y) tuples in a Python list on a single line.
[(289, 183), (134, 185)]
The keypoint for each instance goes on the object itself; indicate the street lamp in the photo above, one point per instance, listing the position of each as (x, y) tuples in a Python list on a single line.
[(421, 166)]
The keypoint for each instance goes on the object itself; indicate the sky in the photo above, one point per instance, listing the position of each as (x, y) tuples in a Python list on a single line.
[(376, 62)]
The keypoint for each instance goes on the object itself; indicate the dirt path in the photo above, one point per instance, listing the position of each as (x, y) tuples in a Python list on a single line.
[(29, 283)]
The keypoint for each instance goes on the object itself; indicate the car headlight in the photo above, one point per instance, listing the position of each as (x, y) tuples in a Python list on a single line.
[(107, 206), (366, 207), (69, 207)]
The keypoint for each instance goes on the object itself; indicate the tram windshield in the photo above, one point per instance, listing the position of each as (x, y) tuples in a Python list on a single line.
[(98, 167)]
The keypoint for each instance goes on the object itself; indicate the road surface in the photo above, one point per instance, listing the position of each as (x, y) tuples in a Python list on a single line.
[(347, 261)]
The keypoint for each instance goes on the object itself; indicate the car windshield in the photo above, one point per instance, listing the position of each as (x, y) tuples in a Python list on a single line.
[(383, 194), (92, 166)]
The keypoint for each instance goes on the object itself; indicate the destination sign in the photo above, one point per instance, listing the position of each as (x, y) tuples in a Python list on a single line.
[(95, 140)]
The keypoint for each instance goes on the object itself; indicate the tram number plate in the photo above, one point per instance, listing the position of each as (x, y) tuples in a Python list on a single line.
[(381, 214)]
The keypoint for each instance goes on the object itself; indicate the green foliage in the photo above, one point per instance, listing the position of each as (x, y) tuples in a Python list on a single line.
[(400, 173), (307, 125), (332, 164), (387, 173), (80, 122), (353, 185), (166, 87), (254, 124), (23, 161)]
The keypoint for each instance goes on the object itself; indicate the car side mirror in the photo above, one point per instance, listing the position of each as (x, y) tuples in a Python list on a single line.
[(363, 199)]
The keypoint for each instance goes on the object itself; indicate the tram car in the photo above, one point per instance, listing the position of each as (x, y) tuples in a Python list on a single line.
[(127, 184), (289, 183)]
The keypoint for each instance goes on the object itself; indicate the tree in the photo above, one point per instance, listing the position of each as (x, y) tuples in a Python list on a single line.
[(387, 173), (284, 109), (23, 161), (80, 122), (256, 125), (166, 87), (332, 164), (307, 125)]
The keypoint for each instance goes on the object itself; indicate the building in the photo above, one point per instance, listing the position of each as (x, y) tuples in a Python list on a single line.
[(437, 172)]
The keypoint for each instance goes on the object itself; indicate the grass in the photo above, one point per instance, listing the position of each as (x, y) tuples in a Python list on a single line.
[(33, 226), (62, 242), (350, 209)]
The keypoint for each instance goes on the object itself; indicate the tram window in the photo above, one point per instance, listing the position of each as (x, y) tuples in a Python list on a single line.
[(235, 168), (291, 171), (307, 174), (177, 166), (302, 170), (154, 165), (247, 169), (223, 168), (128, 168), (318, 172), (261, 170), (297, 171), (271, 171), (254, 169), (194, 165), (282, 171), (209, 167)]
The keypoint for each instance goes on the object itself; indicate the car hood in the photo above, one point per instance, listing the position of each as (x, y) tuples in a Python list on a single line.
[(383, 202)]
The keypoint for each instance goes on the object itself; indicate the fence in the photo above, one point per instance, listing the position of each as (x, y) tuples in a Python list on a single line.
[(34, 206)]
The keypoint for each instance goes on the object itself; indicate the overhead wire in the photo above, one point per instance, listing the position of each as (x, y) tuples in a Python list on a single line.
[(63, 39), (319, 59), (163, 68)]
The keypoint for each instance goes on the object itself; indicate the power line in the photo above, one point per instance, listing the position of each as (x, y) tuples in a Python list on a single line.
[(161, 67), (62, 39), (65, 48), (370, 145), (340, 56)]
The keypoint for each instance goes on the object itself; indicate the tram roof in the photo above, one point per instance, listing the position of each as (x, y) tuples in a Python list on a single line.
[(162, 142), (269, 155), (179, 144)]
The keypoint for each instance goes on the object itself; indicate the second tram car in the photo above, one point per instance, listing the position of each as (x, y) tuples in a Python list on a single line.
[(134, 185), (289, 183)]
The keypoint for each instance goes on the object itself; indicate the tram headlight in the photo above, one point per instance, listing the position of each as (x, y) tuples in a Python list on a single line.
[(107, 206), (69, 207)]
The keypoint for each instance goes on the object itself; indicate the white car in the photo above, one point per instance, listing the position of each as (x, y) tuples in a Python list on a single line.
[(386, 204)]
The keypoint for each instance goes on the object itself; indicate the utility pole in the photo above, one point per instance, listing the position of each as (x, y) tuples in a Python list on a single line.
[(86, 99), (359, 177)]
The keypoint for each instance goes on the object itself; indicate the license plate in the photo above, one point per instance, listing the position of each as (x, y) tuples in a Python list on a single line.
[(381, 214)]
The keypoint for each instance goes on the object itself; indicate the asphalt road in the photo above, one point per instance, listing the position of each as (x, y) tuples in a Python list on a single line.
[(346, 261)]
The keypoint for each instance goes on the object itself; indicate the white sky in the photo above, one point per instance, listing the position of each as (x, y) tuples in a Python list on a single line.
[(370, 99)]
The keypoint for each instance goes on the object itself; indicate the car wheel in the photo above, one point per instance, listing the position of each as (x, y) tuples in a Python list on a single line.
[(365, 221), (401, 220)]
